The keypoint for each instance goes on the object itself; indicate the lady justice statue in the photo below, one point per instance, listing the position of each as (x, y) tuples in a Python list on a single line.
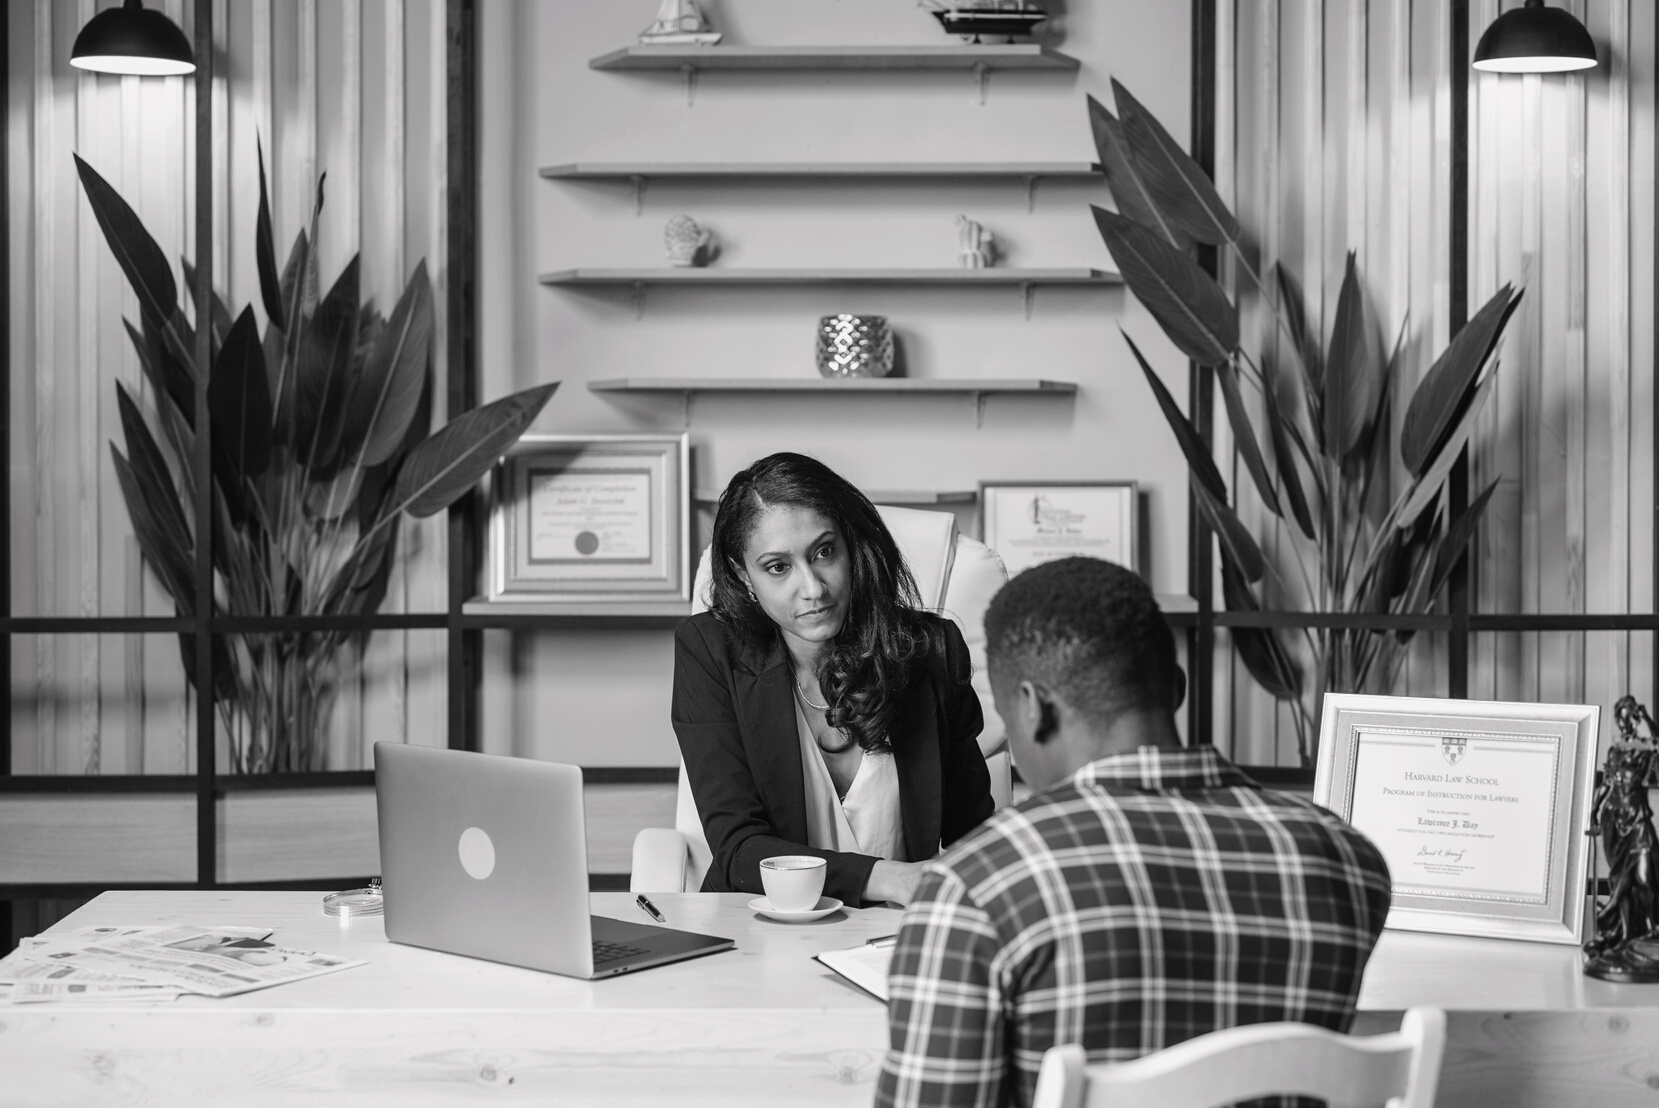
[(1626, 943)]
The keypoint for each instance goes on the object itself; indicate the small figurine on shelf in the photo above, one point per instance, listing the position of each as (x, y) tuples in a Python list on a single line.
[(687, 243), (977, 246), (1626, 943), (679, 23)]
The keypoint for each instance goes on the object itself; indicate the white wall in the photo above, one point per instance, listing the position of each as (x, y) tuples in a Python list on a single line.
[(602, 697)]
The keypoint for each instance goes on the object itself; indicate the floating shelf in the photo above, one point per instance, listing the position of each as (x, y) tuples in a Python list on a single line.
[(953, 386), (1018, 278), (961, 57), (749, 170), (908, 497), (688, 387), (641, 613)]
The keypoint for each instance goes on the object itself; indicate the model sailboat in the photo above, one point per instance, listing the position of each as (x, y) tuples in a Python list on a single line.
[(679, 23)]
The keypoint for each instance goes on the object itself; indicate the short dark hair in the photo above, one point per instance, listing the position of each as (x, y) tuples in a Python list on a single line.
[(1089, 630)]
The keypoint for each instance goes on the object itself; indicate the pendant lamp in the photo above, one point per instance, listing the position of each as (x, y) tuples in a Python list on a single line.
[(133, 39), (1535, 39)]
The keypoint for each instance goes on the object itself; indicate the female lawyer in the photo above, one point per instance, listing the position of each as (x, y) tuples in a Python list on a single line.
[(819, 709)]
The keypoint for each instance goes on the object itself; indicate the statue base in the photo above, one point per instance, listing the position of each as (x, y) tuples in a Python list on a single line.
[(1632, 963)]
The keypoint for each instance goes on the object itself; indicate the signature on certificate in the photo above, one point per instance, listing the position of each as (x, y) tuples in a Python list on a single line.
[(1445, 852)]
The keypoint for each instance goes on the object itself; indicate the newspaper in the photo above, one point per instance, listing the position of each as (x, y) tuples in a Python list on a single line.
[(154, 963)]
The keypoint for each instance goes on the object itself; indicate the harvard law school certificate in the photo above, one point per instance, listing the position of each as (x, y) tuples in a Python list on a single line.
[(1470, 816)]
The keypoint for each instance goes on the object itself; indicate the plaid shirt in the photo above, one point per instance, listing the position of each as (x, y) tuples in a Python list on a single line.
[(1152, 898)]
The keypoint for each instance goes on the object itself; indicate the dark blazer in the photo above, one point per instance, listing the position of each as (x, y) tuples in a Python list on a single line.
[(734, 714)]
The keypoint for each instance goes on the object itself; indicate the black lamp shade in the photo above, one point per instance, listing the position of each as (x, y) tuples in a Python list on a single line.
[(1535, 39), (135, 40)]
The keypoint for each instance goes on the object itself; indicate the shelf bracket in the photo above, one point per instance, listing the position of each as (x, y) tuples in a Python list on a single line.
[(979, 409), (690, 72), (637, 291), (1030, 192), (638, 180), (1026, 291), (685, 409), (982, 75)]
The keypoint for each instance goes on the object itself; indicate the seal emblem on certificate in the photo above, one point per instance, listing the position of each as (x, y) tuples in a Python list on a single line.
[(1478, 808)]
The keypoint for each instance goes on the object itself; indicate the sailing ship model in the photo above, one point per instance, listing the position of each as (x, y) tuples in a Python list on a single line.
[(679, 23)]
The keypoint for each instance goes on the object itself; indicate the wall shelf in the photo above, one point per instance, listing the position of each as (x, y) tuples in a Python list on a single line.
[(979, 389), (640, 173), (638, 280), (912, 498), (961, 57)]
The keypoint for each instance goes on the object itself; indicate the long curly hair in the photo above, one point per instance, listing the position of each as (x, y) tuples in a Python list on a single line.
[(884, 638)]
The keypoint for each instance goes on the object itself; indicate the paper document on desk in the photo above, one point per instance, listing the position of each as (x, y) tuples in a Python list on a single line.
[(217, 961), (864, 965)]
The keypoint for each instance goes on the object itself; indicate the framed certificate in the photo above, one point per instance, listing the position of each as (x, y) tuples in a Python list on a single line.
[(591, 518), (1479, 807), (1028, 524)]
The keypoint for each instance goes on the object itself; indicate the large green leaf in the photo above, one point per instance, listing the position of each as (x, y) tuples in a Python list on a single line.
[(1307, 344), (1186, 301), (324, 373), (1423, 491), (1178, 187), (282, 340), (172, 566), (139, 256), (154, 481), (1235, 537), (264, 250), (217, 306), (1353, 371), (1244, 435), (442, 469), (239, 400), (164, 372), (1129, 192), (1284, 458), (1457, 538), (1197, 452), (1444, 394), (332, 497), (1259, 648), (384, 403)]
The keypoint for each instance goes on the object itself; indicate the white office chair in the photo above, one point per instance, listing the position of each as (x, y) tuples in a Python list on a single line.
[(1400, 1069), (956, 576)]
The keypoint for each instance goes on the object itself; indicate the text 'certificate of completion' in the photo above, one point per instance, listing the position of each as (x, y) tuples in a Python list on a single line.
[(590, 515), (1466, 816)]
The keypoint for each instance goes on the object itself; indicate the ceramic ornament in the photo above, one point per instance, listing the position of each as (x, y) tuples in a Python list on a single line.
[(687, 243), (679, 23), (976, 245)]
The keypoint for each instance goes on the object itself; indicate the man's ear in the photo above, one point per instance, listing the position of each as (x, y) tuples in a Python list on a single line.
[(1180, 684), (1044, 717)]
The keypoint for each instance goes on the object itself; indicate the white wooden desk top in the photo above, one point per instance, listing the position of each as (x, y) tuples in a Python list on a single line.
[(772, 966), (761, 1025)]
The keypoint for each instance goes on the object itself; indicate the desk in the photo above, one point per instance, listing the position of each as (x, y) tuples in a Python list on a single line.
[(762, 1025)]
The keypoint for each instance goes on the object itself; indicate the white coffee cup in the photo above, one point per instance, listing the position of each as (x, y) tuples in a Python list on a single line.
[(793, 882)]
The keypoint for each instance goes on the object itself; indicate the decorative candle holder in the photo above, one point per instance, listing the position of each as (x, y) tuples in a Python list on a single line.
[(855, 346)]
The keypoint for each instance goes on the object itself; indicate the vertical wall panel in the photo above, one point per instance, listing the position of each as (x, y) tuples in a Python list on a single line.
[(293, 77), (1560, 201)]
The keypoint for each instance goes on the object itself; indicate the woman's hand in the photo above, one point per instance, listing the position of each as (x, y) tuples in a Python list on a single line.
[(893, 881)]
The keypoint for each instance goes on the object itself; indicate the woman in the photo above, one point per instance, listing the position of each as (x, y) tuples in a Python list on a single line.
[(819, 710)]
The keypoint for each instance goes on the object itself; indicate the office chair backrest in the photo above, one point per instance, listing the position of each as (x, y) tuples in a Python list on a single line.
[(1400, 1069)]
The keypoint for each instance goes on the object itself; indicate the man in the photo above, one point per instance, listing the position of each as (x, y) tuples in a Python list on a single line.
[(1143, 894)]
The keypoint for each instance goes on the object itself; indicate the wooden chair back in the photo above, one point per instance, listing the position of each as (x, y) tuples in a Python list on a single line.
[(1399, 1069)]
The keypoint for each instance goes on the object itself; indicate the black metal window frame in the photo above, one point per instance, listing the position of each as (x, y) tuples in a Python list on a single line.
[(464, 633)]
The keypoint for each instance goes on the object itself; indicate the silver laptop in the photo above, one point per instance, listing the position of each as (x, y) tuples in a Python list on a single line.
[(487, 856)]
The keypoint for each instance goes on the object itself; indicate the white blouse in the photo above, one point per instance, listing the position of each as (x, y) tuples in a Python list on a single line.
[(867, 820)]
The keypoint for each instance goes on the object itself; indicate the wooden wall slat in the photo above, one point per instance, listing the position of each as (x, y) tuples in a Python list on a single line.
[(47, 250)]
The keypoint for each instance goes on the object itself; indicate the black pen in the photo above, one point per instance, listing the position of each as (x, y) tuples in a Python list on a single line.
[(649, 908)]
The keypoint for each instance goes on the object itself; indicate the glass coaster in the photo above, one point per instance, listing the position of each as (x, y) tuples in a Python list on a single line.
[(356, 902)]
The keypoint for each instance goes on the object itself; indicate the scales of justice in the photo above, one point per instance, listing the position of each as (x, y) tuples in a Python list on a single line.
[(1625, 943)]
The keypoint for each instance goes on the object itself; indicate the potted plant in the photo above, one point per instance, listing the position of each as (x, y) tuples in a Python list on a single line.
[(319, 445), (1368, 523)]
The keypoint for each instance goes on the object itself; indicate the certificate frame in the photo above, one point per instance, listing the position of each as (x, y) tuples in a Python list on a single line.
[(1100, 518), (1422, 778), (591, 519)]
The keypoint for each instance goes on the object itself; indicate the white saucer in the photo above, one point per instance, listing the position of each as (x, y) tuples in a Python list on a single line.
[(825, 905)]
